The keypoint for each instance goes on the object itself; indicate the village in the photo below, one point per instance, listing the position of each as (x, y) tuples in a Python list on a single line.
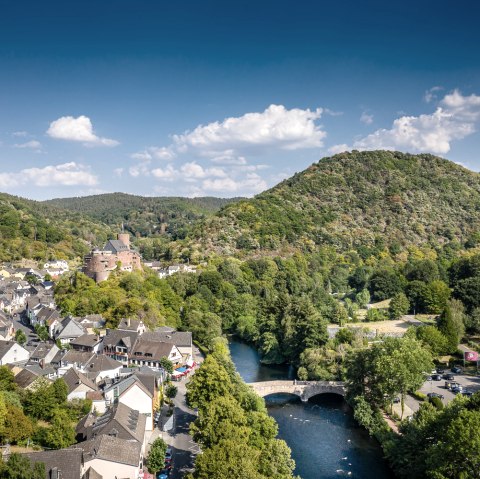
[(123, 373)]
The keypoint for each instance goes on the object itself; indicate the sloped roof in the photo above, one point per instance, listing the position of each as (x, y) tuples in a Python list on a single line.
[(151, 350), (102, 363), (5, 346), (25, 378), (127, 383), (113, 449), (128, 324), (42, 350), (69, 328), (66, 461), (119, 421), (78, 357), (179, 338), (74, 378), (114, 337), (115, 246), (87, 340)]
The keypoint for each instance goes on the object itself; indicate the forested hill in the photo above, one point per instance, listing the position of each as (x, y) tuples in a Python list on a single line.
[(362, 200), (34, 230), (144, 216)]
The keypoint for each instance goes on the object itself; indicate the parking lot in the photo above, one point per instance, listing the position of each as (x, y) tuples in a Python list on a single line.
[(468, 381)]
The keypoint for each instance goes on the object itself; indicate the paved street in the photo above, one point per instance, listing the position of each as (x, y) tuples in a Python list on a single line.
[(184, 449)]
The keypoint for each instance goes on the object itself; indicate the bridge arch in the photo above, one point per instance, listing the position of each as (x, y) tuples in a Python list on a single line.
[(303, 389)]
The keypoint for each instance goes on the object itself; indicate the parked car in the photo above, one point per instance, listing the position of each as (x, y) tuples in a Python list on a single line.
[(467, 393), (428, 378), (451, 384), (437, 377), (163, 474), (456, 369), (440, 371), (435, 395), (449, 376)]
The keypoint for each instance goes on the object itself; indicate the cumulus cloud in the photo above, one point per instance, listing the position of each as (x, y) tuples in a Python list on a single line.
[(77, 129), (454, 119), (66, 174), (338, 148), (366, 118), (275, 127)]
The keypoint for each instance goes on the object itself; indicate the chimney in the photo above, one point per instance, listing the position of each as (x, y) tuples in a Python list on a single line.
[(128, 322)]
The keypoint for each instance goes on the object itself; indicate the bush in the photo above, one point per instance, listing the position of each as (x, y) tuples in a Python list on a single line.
[(436, 402), (419, 396)]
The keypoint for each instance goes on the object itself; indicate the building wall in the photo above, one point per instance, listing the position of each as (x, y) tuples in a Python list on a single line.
[(136, 398), (14, 355), (113, 469)]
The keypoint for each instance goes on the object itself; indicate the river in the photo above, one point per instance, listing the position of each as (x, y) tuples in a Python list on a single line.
[(326, 441)]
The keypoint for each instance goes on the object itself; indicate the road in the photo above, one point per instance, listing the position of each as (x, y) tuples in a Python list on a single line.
[(183, 447)]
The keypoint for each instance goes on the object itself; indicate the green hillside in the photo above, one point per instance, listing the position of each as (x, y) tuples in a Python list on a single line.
[(34, 230), (356, 200), (144, 216)]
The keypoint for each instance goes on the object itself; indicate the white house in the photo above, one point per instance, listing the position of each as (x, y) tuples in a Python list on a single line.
[(78, 384), (11, 352)]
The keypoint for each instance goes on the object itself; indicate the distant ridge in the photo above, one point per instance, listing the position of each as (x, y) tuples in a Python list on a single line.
[(144, 215), (365, 201)]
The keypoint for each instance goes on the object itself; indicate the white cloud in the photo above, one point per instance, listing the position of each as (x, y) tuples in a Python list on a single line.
[(20, 134), (454, 119), (229, 158), (118, 171), (66, 174), (366, 118), (32, 144), (431, 94), (338, 148), (276, 127), (77, 129), (250, 184), (155, 153), (168, 173)]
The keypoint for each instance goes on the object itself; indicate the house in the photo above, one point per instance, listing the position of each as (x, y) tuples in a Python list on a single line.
[(150, 352), (68, 330), (118, 421), (133, 393), (56, 268), (11, 352), (44, 353), (78, 384), (46, 316), (118, 344), (111, 457), (176, 268), (181, 339), (61, 463), (88, 342), (26, 378), (74, 359), (101, 367), (127, 324), (91, 322), (7, 330)]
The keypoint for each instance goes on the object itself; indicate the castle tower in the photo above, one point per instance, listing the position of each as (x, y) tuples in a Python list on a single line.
[(124, 238)]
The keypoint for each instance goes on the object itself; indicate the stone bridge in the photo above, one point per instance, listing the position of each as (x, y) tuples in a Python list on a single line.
[(303, 389)]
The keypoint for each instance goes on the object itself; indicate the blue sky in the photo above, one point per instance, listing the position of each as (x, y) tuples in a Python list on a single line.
[(226, 98)]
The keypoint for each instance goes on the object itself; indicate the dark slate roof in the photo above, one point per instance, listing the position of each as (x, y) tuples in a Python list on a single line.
[(115, 246), (42, 350), (102, 363), (123, 384), (150, 350), (78, 357), (179, 338), (119, 421), (74, 378), (86, 340), (69, 328), (114, 449), (127, 324), (25, 378), (68, 462), (114, 337)]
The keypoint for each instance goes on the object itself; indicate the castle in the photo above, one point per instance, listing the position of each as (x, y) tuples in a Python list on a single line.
[(100, 263)]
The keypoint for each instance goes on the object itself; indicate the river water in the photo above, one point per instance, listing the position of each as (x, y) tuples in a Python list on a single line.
[(326, 441)]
